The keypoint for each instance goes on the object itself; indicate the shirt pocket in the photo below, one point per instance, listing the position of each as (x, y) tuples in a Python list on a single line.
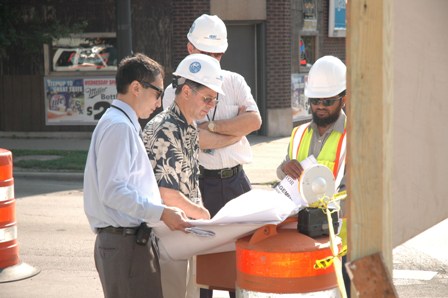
[(226, 111)]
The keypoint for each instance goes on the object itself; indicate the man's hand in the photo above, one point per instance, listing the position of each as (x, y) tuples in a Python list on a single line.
[(241, 110), (175, 219), (174, 198), (241, 125), (203, 125), (293, 169), (203, 213)]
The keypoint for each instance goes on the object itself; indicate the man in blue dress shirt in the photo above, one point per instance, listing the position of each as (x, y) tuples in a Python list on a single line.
[(121, 196)]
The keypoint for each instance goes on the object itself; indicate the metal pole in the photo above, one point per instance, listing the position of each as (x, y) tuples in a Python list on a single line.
[(124, 28)]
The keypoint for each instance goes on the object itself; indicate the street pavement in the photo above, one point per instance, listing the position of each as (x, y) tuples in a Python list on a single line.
[(54, 235)]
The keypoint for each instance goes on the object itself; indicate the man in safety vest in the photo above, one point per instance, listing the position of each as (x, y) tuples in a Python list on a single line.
[(325, 136)]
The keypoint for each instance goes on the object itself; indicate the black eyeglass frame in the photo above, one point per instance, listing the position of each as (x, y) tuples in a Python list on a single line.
[(149, 85), (327, 102)]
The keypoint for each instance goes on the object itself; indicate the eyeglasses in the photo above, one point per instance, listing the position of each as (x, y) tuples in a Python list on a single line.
[(149, 85), (327, 102), (207, 99)]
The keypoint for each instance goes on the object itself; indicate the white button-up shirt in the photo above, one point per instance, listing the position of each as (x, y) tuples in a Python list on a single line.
[(120, 189), (237, 93)]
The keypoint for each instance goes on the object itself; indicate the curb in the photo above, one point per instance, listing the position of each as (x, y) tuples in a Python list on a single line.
[(57, 176)]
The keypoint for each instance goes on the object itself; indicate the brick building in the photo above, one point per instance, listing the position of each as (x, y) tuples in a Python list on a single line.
[(271, 42)]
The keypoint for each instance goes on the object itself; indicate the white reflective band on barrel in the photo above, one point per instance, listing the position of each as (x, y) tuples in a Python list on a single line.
[(8, 234), (332, 293), (6, 193)]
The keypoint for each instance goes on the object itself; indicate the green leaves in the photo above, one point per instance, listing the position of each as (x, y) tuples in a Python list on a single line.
[(25, 26)]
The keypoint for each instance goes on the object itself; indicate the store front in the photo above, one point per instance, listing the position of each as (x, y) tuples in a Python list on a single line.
[(318, 30), (80, 82)]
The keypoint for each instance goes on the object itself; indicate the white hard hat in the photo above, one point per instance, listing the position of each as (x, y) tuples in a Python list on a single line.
[(327, 78), (201, 69), (208, 34)]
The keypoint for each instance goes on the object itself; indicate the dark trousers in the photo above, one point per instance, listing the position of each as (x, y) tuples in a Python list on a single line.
[(127, 269), (216, 193)]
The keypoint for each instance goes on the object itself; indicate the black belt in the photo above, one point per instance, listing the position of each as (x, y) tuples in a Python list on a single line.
[(119, 231), (222, 173)]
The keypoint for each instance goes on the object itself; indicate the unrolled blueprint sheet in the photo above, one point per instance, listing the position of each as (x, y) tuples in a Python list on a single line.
[(239, 217)]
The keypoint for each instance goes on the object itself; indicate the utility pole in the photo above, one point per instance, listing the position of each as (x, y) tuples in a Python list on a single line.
[(124, 28)]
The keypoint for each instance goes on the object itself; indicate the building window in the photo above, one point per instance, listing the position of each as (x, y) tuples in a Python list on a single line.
[(307, 51), (309, 15), (337, 19)]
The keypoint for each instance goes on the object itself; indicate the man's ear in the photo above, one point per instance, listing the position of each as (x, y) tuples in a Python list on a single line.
[(343, 100), (135, 87), (186, 91), (190, 48)]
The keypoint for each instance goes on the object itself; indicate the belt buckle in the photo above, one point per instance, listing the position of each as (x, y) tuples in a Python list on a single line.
[(129, 231), (226, 173)]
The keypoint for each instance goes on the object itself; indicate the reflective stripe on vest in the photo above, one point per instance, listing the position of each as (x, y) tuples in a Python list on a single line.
[(332, 154)]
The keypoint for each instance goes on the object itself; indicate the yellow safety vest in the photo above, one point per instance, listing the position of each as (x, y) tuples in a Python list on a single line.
[(332, 155)]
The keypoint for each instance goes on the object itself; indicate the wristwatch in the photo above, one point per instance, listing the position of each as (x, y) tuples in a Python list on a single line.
[(211, 126)]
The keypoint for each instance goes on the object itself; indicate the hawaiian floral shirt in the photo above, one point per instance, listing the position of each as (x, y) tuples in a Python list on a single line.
[(173, 148)]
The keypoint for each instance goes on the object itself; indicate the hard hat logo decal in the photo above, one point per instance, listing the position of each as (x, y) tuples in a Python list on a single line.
[(202, 69), (192, 27), (195, 67), (213, 36)]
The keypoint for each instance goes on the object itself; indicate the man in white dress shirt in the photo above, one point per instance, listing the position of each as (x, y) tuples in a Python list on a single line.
[(222, 135), (120, 190)]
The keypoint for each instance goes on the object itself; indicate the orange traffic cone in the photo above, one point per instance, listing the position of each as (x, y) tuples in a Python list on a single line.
[(11, 268), (280, 263)]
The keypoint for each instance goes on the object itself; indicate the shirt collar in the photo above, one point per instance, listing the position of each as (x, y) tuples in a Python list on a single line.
[(339, 125), (129, 111), (174, 109)]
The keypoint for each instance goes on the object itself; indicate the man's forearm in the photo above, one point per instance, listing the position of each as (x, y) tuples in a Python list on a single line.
[(175, 198), (210, 140), (240, 126)]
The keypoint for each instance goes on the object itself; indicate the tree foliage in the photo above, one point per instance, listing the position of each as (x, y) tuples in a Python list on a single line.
[(25, 26)]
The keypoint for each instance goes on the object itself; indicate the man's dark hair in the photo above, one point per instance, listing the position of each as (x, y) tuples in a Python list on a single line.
[(191, 84), (138, 67)]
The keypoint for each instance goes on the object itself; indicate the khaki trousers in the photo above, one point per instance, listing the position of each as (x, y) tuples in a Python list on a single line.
[(178, 276)]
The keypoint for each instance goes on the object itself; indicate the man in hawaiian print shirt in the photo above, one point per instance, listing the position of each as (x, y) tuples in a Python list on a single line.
[(171, 141)]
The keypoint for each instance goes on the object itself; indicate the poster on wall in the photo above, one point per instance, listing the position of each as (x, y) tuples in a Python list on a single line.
[(77, 101), (299, 103)]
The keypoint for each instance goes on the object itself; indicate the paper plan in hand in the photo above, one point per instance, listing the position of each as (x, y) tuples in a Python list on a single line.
[(290, 187), (239, 217)]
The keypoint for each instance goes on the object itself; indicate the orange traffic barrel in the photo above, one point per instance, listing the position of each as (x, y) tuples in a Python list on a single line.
[(11, 268), (279, 262)]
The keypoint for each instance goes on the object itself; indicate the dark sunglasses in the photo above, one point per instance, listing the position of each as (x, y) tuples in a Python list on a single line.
[(327, 102), (149, 85)]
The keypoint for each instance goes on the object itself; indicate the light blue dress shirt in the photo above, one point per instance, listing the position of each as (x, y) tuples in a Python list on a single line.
[(120, 189)]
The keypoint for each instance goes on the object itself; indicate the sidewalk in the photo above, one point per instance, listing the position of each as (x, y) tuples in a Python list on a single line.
[(63, 250), (54, 235), (267, 152)]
